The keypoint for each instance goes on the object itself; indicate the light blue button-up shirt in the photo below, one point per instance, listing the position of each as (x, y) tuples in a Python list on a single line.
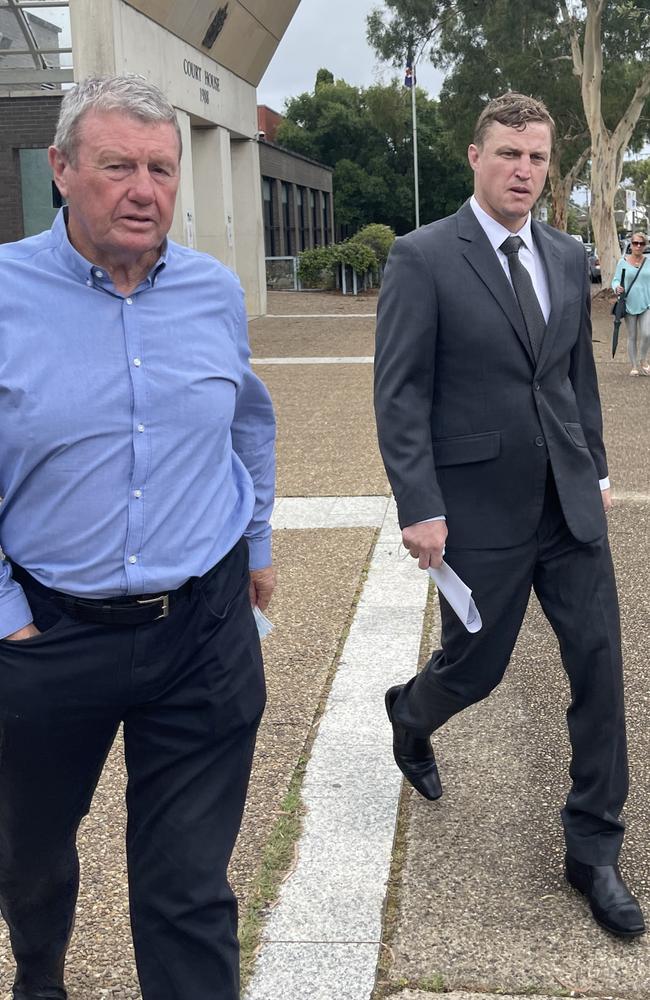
[(136, 444)]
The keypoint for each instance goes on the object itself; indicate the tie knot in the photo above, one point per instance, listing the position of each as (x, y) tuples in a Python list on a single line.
[(511, 245)]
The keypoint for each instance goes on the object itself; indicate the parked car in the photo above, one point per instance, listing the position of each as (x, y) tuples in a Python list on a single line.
[(594, 266)]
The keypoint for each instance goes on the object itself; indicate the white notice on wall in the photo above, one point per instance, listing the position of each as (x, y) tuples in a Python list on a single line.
[(189, 230)]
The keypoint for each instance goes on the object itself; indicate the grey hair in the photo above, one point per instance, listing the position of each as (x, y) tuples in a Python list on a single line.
[(130, 94)]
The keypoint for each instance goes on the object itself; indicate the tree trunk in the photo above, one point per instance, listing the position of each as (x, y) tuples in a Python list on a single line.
[(607, 148), (560, 194), (562, 186), (606, 166)]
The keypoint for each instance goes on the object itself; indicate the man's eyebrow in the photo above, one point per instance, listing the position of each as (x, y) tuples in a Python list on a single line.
[(517, 149)]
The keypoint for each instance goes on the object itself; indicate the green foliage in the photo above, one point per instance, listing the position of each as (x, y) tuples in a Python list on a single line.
[(365, 135), (638, 171), (378, 237), (316, 267), (490, 47), (360, 257)]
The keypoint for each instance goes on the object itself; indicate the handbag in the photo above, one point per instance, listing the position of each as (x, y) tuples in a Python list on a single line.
[(619, 310)]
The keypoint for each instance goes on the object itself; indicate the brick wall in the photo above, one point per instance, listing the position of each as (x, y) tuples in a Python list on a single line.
[(28, 123)]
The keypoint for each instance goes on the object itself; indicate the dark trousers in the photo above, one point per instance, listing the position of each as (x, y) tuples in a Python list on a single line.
[(189, 690), (576, 588)]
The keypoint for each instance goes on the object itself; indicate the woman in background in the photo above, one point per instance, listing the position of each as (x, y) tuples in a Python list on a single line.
[(637, 303)]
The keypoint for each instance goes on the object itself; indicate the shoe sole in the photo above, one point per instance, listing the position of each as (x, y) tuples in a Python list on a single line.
[(601, 923)]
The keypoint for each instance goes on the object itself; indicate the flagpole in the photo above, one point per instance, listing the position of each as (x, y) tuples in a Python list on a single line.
[(416, 177)]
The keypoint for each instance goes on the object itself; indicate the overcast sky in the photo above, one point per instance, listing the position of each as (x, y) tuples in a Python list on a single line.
[(329, 33)]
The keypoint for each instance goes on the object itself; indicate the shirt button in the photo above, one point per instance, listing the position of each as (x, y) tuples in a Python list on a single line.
[(89, 282), (141, 428), (99, 274), (137, 493), (539, 441), (137, 362), (129, 302), (133, 559)]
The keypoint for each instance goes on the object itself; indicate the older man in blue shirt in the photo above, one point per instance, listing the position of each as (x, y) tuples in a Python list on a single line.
[(136, 483)]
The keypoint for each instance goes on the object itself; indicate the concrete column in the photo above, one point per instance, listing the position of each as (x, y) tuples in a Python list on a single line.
[(93, 38), (248, 223), (213, 197), (184, 224)]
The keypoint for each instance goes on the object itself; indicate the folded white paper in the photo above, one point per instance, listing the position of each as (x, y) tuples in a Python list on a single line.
[(264, 626), (458, 595)]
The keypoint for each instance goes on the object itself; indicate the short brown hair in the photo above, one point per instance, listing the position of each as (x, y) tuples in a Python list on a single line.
[(514, 110)]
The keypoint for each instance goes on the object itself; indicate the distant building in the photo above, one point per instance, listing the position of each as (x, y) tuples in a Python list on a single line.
[(45, 34), (297, 196), (268, 122), (209, 61)]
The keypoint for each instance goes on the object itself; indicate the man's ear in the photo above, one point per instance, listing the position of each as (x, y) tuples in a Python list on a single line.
[(58, 162), (473, 155)]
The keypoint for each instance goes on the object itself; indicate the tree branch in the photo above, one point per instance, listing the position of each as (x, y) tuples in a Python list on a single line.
[(623, 131), (569, 27)]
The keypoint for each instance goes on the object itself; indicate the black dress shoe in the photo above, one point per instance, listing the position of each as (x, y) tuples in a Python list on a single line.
[(612, 904), (413, 754)]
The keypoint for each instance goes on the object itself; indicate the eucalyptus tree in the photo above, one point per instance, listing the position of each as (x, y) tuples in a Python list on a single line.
[(558, 51)]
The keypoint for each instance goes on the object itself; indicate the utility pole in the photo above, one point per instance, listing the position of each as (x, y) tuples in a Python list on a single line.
[(410, 81)]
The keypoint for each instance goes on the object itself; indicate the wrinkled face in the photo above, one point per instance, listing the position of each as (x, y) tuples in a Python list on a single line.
[(510, 169), (122, 188)]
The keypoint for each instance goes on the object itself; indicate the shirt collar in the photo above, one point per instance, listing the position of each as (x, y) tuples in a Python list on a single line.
[(496, 233), (84, 269)]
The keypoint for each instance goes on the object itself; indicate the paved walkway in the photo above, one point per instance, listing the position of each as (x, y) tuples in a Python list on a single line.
[(475, 898), (395, 897)]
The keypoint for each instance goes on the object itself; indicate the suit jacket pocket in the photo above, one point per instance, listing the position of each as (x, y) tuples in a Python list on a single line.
[(576, 434), (467, 448)]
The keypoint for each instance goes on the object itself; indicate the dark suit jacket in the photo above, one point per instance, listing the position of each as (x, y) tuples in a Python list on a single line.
[(467, 421)]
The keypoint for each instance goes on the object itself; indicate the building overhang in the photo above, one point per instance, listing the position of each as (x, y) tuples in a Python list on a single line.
[(241, 35)]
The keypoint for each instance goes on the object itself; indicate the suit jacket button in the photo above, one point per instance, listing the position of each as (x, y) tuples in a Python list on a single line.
[(537, 387), (539, 441)]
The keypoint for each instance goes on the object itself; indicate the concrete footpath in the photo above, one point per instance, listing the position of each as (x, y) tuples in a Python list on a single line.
[(463, 896)]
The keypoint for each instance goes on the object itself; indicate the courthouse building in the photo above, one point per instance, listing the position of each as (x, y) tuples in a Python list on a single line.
[(208, 57)]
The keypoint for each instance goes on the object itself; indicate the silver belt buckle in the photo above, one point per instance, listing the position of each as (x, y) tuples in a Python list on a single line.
[(164, 605)]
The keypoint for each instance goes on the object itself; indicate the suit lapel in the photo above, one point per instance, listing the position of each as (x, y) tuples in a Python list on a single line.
[(481, 257), (552, 260)]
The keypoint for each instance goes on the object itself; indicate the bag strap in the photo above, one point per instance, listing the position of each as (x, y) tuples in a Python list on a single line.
[(639, 269)]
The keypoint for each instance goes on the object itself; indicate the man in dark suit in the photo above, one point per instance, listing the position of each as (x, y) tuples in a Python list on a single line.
[(490, 428)]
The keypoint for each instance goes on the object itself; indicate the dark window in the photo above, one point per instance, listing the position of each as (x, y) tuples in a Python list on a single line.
[(270, 236), (302, 226), (289, 242), (315, 220), (327, 218)]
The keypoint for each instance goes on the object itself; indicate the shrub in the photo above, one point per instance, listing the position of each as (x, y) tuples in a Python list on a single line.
[(378, 237), (357, 255), (316, 267)]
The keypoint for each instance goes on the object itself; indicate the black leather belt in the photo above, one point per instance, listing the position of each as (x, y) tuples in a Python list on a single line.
[(136, 610)]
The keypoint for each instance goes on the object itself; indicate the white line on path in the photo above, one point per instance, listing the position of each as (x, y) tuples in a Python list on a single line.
[(329, 512), (313, 361), (322, 940)]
